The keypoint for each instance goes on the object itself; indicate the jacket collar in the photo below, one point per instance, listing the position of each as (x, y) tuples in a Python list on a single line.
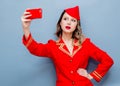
[(63, 48)]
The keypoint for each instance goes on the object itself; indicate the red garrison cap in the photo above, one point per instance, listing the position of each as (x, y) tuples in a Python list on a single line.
[(74, 12)]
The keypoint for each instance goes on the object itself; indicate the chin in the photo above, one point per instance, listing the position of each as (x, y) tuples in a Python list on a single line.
[(68, 32)]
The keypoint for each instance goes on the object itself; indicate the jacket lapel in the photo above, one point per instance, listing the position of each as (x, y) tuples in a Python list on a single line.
[(61, 45)]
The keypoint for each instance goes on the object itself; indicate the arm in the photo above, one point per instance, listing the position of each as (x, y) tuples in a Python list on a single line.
[(35, 48), (38, 49), (105, 61)]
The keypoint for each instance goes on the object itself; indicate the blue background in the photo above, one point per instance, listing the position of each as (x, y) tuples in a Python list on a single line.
[(100, 21)]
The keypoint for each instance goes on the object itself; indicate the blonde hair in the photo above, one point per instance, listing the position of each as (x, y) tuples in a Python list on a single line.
[(77, 34)]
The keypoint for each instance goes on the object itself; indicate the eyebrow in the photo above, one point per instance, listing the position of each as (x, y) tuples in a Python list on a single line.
[(68, 17)]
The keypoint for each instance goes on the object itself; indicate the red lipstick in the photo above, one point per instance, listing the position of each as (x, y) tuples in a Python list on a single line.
[(67, 27)]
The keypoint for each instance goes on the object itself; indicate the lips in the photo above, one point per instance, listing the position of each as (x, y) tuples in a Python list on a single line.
[(67, 27)]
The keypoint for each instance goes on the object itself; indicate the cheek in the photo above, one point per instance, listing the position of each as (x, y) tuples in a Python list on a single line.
[(62, 23), (74, 25)]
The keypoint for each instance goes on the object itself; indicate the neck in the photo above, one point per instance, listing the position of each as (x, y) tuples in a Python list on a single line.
[(66, 37)]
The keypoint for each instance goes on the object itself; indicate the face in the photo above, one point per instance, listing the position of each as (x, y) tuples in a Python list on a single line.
[(68, 24)]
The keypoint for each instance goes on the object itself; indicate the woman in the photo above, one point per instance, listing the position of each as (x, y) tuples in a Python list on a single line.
[(71, 52)]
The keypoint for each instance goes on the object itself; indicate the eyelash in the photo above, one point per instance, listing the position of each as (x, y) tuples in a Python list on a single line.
[(71, 19), (65, 18)]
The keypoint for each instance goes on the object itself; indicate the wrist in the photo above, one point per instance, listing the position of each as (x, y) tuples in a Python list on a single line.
[(89, 76), (26, 33)]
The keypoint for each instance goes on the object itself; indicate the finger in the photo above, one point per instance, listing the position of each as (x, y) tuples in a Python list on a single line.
[(28, 20), (25, 19), (28, 8), (26, 13), (82, 71), (27, 16)]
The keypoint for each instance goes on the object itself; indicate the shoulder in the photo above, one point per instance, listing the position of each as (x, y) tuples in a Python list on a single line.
[(88, 43), (85, 39), (51, 41)]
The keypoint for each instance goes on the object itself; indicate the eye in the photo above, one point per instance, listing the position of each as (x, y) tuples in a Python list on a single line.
[(73, 20), (65, 18)]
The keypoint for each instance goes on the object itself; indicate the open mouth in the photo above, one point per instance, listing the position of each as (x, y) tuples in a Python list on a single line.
[(68, 27)]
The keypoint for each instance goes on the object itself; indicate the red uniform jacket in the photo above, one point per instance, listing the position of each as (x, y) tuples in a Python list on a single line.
[(67, 64)]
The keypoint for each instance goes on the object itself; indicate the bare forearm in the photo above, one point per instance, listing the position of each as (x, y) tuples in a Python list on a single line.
[(26, 32)]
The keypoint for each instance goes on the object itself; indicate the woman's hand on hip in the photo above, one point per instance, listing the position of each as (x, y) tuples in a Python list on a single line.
[(83, 72)]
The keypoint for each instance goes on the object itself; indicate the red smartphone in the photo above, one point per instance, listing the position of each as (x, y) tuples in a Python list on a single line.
[(36, 13)]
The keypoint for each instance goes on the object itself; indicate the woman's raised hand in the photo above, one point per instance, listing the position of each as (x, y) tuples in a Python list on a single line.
[(26, 23), (25, 20)]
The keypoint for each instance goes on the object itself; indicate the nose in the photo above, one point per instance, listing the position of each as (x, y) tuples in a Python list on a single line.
[(68, 22)]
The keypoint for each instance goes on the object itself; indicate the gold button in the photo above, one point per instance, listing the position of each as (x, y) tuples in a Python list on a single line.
[(73, 82), (71, 60), (71, 71)]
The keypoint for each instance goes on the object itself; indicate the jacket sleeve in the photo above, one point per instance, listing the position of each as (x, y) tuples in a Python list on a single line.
[(105, 61), (37, 49)]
